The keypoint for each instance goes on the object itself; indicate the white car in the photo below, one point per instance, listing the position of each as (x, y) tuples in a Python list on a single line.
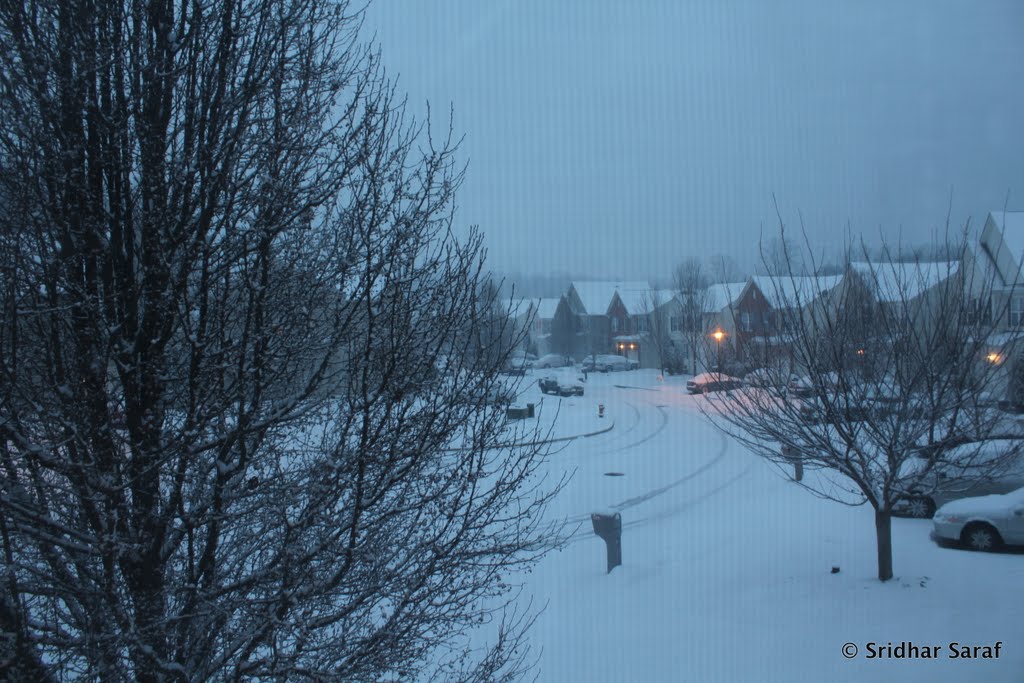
[(608, 362), (552, 360), (982, 523)]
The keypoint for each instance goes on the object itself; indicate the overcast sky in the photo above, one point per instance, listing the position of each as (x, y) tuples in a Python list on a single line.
[(617, 138)]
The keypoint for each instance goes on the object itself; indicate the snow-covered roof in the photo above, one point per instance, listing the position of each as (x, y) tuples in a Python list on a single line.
[(639, 301), (904, 281), (520, 307), (1011, 224), (722, 295), (788, 291), (597, 296), (546, 308)]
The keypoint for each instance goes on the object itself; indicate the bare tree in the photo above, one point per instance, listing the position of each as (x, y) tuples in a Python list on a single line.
[(897, 384), (722, 268), (242, 432), (566, 337), (652, 303), (691, 284), (780, 255)]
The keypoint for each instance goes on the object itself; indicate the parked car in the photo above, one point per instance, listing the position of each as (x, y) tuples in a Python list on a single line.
[(983, 522), (712, 381), (949, 482), (765, 378), (515, 366), (801, 386), (561, 385), (496, 395), (552, 360), (607, 362), (852, 409)]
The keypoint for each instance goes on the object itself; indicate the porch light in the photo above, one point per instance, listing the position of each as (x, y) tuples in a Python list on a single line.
[(994, 358), (632, 346), (621, 346)]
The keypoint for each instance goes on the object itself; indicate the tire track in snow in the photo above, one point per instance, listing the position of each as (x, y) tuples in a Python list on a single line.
[(653, 493), (663, 422), (578, 534)]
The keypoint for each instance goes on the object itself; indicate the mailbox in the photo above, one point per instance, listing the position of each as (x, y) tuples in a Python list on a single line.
[(793, 455), (609, 528)]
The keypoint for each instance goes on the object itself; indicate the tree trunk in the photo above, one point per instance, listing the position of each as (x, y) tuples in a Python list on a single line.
[(883, 534)]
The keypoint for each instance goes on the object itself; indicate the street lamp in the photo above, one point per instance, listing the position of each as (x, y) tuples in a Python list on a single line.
[(719, 336)]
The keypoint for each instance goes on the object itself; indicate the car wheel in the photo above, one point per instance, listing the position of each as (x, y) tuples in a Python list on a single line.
[(920, 507), (979, 536)]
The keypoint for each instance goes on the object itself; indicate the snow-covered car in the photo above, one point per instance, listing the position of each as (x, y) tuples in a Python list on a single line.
[(982, 523), (949, 481), (607, 362), (707, 382), (552, 360), (801, 386), (496, 395), (765, 378), (515, 366), (841, 409), (561, 384)]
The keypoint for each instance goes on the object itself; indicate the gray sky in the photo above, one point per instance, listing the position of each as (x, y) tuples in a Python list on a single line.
[(617, 138)]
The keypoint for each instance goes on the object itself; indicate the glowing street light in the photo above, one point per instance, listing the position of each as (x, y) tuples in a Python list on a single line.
[(718, 336), (994, 358)]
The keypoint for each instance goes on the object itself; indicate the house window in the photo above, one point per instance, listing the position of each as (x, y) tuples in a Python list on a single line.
[(642, 324), (615, 324), (1016, 311), (980, 312), (746, 322), (674, 323)]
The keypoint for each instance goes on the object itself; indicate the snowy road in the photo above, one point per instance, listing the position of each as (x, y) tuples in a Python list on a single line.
[(726, 566)]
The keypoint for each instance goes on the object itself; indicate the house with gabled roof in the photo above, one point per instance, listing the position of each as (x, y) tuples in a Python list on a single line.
[(695, 316), (642, 317), (600, 312), (768, 308), (1001, 257)]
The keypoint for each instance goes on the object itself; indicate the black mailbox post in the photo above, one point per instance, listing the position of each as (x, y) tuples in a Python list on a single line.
[(793, 455), (609, 527)]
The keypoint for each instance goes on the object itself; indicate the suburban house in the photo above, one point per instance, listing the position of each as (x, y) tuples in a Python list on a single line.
[(599, 313), (542, 325), (644, 335), (1001, 253), (999, 261), (709, 337), (772, 305)]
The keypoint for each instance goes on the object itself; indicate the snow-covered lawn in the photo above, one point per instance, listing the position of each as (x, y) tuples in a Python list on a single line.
[(726, 571)]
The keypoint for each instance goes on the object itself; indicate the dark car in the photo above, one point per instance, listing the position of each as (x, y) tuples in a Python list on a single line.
[(561, 385), (712, 381)]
